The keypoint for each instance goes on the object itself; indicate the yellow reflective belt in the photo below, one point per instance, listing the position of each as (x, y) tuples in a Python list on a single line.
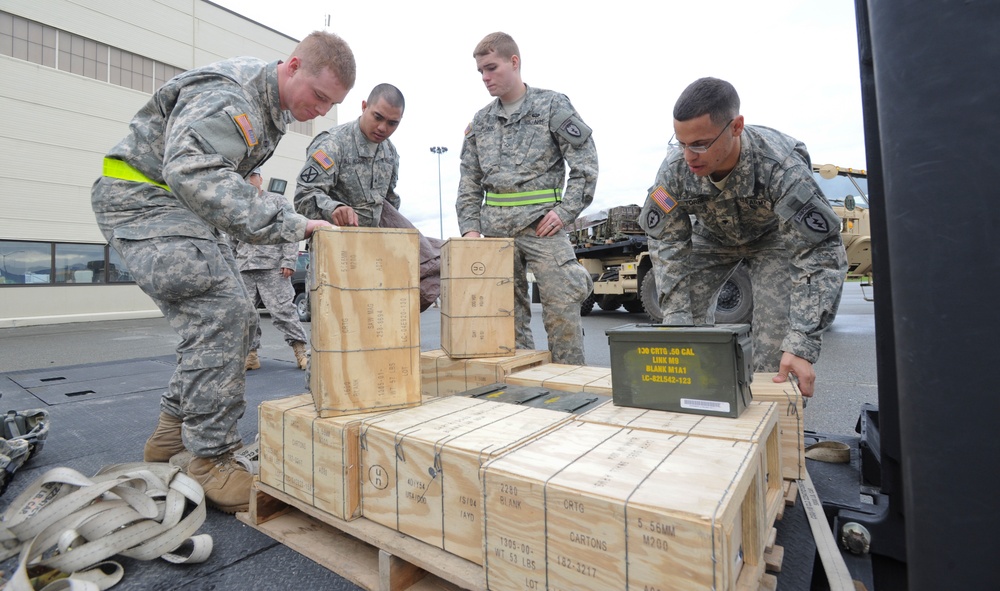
[(119, 169), (526, 198)]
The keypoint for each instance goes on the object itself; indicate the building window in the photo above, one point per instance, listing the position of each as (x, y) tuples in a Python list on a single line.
[(45, 263), (41, 44), (25, 262), (79, 263)]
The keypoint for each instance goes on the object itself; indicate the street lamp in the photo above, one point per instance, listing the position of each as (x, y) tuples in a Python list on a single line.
[(440, 150)]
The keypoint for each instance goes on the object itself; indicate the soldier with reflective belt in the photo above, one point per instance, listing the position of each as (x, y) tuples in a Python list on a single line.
[(513, 168), (729, 192), (172, 189)]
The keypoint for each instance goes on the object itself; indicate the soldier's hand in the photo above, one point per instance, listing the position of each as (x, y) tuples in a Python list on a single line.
[(802, 369), (311, 226), (345, 216), (286, 272), (472, 234), (550, 225)]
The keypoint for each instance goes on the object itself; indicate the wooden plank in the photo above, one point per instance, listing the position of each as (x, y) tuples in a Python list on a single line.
[(833, 563), (768, 582), (305, 520), (396, 574), (791, 494), (773, 557)]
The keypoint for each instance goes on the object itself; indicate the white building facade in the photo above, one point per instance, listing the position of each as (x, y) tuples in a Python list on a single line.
[(72, 75)]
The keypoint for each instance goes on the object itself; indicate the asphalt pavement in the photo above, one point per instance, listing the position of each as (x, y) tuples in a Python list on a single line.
[(101, 382)]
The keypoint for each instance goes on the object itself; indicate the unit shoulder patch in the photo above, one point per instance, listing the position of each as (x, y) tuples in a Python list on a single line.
[(309, 174)]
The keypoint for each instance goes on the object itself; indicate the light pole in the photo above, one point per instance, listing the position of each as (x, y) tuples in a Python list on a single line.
[(440, 150)]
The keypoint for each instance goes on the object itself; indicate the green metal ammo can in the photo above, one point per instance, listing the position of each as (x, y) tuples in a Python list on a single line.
[(693, 369)]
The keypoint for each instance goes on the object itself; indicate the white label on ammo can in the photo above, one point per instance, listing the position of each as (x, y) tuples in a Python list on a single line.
[(712, 405)]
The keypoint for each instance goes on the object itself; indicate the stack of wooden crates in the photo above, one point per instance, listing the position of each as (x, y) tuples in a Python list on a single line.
[(613, 498), (477, 320)]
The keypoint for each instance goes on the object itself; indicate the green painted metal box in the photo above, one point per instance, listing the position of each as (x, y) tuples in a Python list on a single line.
[(694, 369)]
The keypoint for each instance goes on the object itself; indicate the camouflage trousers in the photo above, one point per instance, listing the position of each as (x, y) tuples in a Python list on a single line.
[(277, 294), (710, 265), (562, 283), (197, 286)]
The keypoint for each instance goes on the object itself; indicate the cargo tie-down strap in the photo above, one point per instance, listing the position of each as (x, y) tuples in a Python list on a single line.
[(525, 198), (66, 525), (119, 169)]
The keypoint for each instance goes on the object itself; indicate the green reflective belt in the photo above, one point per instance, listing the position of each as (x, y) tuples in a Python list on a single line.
[(526, 198), (119, 169)]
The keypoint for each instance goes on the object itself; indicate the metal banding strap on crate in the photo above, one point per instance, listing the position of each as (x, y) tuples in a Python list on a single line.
[(525, 198), (119, 169)]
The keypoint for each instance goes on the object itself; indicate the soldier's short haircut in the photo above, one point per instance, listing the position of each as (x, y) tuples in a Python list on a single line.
[(322, 49), (502, 43), (716, 97), (389, 94)]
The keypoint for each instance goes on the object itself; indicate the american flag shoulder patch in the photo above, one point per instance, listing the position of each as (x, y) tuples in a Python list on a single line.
[(243, 122), (663, 199), (325, 161)]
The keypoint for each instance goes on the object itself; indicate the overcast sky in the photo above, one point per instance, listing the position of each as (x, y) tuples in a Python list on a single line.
[(794, 63)]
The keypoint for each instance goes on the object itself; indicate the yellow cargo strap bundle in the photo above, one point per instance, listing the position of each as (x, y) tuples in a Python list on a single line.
[(119, 169), (525, 198)]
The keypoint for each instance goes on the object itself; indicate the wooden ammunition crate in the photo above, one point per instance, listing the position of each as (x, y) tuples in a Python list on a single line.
[(440, 375), (758, 424), (477, 297), (614, 508), (365, 338), (423, 473), (313, 459), (790, 422), (568, 378)]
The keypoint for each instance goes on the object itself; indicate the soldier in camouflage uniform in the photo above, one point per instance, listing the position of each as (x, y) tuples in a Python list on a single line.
[(513, 168), (170, 190), (352, 169), (266, 270), (753, 198)]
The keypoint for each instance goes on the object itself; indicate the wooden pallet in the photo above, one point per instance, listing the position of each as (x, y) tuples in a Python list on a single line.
[(377, 558), (369, 555)]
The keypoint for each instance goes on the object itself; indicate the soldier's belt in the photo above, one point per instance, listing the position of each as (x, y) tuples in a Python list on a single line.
[(525, 198), (119, 169)]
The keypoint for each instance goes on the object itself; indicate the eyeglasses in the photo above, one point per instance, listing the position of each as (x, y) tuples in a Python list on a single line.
[(697, 148)]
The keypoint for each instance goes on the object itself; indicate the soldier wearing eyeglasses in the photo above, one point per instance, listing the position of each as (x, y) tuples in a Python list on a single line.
[(729, 192)]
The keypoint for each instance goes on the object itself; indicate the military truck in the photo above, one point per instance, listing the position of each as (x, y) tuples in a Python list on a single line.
[(613, 248)]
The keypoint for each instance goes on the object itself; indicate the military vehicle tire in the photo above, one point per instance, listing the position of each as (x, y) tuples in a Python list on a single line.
[(301, 303), (735, 304), (650, 298), (608, 303), (588, 305)]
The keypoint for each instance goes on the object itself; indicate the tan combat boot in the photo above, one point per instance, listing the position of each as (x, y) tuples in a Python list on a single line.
[(226, 483), (300, 354), (253, 362), (165, 441)]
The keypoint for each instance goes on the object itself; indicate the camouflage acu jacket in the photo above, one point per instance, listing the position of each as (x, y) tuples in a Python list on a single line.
[(201, 134), (528, 151), (343, 168)]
